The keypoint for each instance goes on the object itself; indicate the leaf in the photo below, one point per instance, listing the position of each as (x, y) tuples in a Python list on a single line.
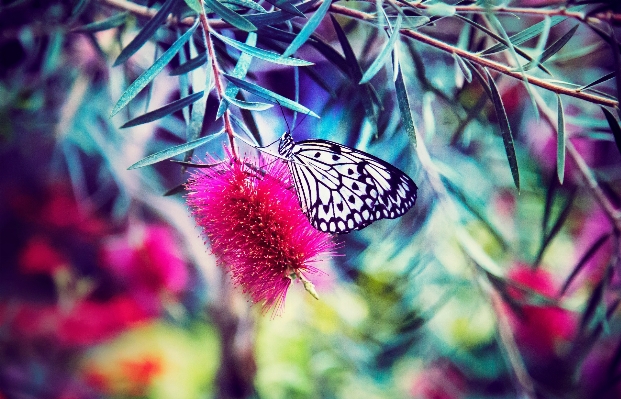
[(308, 29), (266, 55), (172, 151), (556, 227), (404, 106), (277, 17), (462, 66), (150, 73), (252, 106), (175, 190), (480, 78), (269, 95), (377, 64), (248, 4), (354, 69), (195, 5), (105, 24), (197, 165), (240, 70), (163, 111), (230, 16), (583, 260), (561, 141), (287, 7), (598, 81), (524, 35), (553, 49), (190, 65), (614, 127), (146, 33), (507, 136)]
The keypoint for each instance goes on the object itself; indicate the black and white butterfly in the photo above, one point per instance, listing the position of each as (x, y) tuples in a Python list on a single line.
[(342, 189)]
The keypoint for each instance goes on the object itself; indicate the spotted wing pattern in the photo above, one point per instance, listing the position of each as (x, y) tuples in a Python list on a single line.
[(341, 189)]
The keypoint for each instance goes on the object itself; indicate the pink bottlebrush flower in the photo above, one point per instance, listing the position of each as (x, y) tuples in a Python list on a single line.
[(251, 216)]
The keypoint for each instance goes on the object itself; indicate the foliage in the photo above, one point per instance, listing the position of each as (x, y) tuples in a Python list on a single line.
[(502, 281)]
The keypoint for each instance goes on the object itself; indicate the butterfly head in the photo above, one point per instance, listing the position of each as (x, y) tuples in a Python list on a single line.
[(285, 145)]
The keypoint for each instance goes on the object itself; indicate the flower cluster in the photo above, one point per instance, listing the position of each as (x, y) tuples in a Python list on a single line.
[(251, 216)]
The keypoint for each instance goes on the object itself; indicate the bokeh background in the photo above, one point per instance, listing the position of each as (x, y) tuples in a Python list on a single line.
[(108, 290)]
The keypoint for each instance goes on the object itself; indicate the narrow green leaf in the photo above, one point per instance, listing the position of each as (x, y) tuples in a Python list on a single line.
[(507, 136), (198, 165), (266, 55), (404, 106), (249, 4), (556, 227), (143, 80), (598, 81), (277, 17), (249, 105), (524, 35), (377, 64), (79, 8), (105, 24), (195, 5), (614, 127), (308, 29), (178, 189), (230, 16), (270, 95), (583, 260), (176, 150), (354, 70), (163, 111), (462, 66), (240, 70), (561, 139), (480, 78), (553, 48), (201, 79), (190, 65), (146, 33), (287, 7)]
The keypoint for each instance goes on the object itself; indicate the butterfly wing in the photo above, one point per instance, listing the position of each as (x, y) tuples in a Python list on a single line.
[(342, 189)]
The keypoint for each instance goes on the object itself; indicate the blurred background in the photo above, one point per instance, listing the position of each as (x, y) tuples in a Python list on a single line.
[(108, 289)]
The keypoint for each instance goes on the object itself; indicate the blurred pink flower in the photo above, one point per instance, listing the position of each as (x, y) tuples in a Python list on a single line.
[(86, 323), (540, 331), (252, 218), (594, 225), (148, 260), (439, 381), (40, 256)]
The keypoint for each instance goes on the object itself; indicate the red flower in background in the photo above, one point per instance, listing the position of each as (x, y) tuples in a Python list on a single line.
[(253, 220), (542, 330), (439, 381), (148, 260), (40, 256)]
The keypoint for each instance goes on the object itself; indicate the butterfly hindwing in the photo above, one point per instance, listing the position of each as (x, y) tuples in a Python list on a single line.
[(342, 189)]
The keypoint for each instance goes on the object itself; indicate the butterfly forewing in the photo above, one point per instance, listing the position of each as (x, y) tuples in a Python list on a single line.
[(341, 189)]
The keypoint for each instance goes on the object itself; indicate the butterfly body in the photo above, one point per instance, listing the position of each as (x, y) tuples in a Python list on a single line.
[(342, 189)]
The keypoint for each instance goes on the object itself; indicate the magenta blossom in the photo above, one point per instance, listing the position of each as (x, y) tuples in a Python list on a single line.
[(251, 216)]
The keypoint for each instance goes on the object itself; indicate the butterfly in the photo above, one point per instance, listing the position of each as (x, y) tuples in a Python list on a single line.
[(341, 189)]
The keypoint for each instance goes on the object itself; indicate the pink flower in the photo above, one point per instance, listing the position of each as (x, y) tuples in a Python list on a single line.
[(439, 381), (40, 256), (252, 218), (540, 330), (148, 260)]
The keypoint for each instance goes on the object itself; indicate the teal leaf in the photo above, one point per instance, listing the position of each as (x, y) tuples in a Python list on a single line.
[(308, 29), (240, 70), (614, 126), (584, 259), (230, 16), (274, 17), (603, 79), (165, 110), (172, 151), (143, 80), (146, 33), (505, 129), (384, 54), (247, 4), (524, 35), (195, 5), (105, 24), (249, 105), (561, 141), (270, 95), (266, 55), (287, 7), (190, 65), (404, 106), (462, 66), (553, 49)]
